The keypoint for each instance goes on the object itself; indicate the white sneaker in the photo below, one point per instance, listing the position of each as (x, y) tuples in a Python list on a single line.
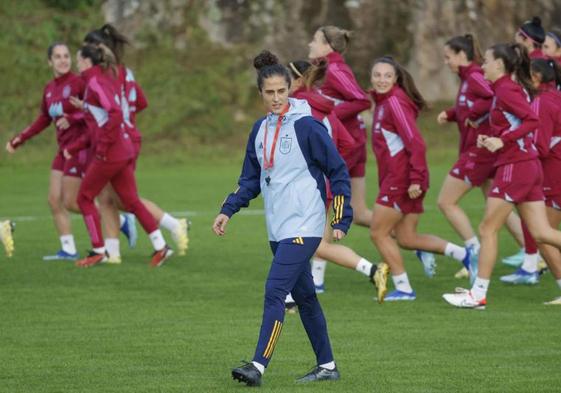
[(554, 302), (181, 236), (6, 229), (464, 300)]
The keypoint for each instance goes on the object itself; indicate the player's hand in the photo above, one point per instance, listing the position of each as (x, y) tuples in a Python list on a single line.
[(62, 123), (414, 191), (493, 144), (9, 147), (67, 154), (76, 102), (442, 118), (481, 140), (220, 222), (338, 234), (470, 123)]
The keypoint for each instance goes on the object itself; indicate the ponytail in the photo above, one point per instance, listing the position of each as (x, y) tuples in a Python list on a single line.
[(110, 37), (268, 65), (404, 80), (468, 44), (517, 62)]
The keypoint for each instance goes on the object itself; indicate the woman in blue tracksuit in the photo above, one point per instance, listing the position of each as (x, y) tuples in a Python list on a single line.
[(288, 154)]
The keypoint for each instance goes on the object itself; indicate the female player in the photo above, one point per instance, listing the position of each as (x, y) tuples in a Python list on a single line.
[(475, 166), (552, 45), (305, 78), (112, 150), (340, 85), (6, 238), (287, 156), (518, 179), (546, 76), (66, 174), (133, 101), (531, 36), (402, 175)]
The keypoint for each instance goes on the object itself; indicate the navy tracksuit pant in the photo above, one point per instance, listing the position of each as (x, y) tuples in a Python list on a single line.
[(291, 273)]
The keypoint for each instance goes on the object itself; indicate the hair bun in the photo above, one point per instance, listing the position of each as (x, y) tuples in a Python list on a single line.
[(265, 59), (536, 20)]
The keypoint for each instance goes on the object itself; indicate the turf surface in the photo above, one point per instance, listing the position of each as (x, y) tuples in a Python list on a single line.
[(182, 327)]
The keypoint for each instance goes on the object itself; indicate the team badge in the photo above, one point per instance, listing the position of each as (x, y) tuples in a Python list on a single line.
[(66, 91), (381, 113), (464, 87), (285, 144)]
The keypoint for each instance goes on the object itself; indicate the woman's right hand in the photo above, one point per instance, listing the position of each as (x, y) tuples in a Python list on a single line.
[(220, 222), (442, 118), (76, 102), (9, 147)]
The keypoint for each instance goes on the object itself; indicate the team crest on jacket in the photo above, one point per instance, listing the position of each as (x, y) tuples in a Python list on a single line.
[(381, 113), (66, 91), (285, 144)]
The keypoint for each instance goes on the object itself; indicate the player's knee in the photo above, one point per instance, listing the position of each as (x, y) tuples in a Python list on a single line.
[(70, 202), (444, 206), (405, 240), (54, 202), (486, 229)]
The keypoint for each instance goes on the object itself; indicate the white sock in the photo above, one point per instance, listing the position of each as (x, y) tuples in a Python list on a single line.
[(474, 244), (328, 366), (364, 267), (67, 244), (289, 298), (170, 223), (454, 251), (318, 270), (157, 240), (530, 263), (401, 283), (122, 220), (259, 367), (99, 250), (479, 289), (112, 246), (559, 283)]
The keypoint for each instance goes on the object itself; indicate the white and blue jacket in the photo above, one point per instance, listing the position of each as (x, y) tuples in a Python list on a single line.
[(294, 190)]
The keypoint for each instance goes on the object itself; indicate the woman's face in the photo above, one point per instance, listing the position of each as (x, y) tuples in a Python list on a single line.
[(550, 48), (275, 93), (536, 79), (493, 68), (60, 60), (318, 46), (383, 77), (83, 63), (454, 60)]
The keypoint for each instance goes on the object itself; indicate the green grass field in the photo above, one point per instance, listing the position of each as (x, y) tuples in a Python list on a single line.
[(182, 327)]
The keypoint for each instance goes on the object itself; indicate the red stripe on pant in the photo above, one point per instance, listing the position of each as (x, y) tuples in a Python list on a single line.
[(121, 176), (530, 245)]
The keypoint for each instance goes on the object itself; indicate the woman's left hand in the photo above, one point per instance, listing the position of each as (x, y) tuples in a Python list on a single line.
[(338, 234), (493, 144), (414, 191)]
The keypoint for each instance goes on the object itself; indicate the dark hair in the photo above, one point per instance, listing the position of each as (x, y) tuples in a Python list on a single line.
[(99, 55), (548, 70), (404, 80), (533, 30), (516, 61), (468, 44), (267, 65), (337, 38), (52, 47), (111, 37), (311, 73), (555, 34)]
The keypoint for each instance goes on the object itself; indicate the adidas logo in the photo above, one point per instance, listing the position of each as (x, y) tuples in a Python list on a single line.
[(261, 145), (73, 170), (385, 198), (495, 190), (456, 171), (508, 198)]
